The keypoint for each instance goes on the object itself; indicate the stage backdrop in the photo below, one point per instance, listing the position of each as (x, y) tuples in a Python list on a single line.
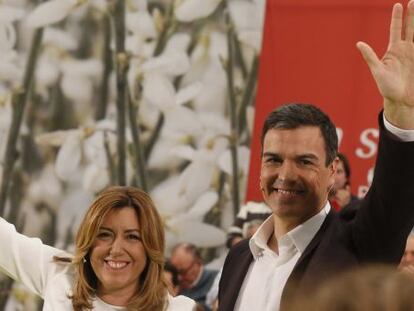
[(309, 55)]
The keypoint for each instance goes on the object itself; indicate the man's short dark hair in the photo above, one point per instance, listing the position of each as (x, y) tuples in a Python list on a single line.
[(294, 115)]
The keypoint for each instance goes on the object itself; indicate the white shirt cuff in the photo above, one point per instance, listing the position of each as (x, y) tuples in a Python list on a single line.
[(403, 135)]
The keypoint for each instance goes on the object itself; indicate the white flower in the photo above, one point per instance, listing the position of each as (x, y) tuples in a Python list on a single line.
[(248, 18), (7, 37), (141, 23), (46, 189), (59, 38), (52, 11), (177, 43), (71, 213), (78, 79), (69, 156), (212, 98), (47, 73), (172, 64), (161, 157), (95, 178), (77, 88), (9, 14), (190, 10), (10, 71), (167, 198), (158, 90), (91, 68), (189, 226), (195, 232), (200, 208), (243, 157), (198, 176)]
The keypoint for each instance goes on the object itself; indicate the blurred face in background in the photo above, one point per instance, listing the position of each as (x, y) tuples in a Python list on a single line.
[(408, 257), (188, 267), (340, 177)]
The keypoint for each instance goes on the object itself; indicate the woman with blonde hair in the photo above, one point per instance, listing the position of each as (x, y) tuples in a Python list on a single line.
[(118, 261)]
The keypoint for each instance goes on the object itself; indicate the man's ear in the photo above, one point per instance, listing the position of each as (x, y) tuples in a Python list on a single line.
[(333, 167)]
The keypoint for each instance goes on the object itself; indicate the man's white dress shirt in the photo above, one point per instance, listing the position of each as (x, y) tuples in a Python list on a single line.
[(267, 275)]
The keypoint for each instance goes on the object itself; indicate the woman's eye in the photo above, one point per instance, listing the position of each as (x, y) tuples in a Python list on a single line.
[(103, 235), (134, 237)]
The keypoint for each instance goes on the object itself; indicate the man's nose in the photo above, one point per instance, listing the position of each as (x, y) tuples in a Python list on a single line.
[(287, 171)]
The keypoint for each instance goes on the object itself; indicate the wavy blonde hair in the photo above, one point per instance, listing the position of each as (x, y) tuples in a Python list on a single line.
[(152, 289)]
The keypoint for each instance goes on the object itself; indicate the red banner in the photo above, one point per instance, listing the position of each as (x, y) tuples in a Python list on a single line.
[(309, 55)]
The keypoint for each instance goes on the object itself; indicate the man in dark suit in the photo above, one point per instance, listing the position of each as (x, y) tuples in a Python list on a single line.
[(305, 242)]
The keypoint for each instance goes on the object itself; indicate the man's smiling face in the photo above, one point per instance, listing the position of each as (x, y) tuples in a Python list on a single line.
[(294, 177)]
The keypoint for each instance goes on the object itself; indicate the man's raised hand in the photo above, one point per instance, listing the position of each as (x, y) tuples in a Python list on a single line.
[(394, 73)]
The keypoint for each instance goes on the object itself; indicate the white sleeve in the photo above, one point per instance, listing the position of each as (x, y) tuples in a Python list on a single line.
[(403, 135), (181, 303), (26, 260)]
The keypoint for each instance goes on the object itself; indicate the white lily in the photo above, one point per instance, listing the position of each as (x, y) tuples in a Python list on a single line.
[(141, 23), (190, 10), (177, 43), (51, 12), (199, 175), (161, 157), (243, 157), (9, 14), (159, 90), (172, 64), (77, 83), (69, 156), (248, 18), (60, 39), (47, 74), (71, 212), (196, 232), (206, 68), (95, 178), (46, 189), (184, 217)]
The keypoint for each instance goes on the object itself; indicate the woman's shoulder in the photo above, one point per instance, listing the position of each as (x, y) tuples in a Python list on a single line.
[(180, 303)]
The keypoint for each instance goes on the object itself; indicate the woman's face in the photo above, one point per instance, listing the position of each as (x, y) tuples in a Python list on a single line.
[(118, 256)]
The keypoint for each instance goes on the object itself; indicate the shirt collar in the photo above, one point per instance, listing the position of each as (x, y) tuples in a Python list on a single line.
[(198, 277), (300, 236)]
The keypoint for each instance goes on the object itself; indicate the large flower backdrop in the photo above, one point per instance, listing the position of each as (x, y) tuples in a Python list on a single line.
[(157, 94)]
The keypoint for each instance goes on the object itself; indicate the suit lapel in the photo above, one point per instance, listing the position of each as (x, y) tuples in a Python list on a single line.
[(233, 280), (296, 278)]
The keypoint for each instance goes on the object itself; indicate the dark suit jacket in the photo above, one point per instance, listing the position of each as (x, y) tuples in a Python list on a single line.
[(376, 234)]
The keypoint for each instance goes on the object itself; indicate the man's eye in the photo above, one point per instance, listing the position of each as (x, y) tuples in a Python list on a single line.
[(273, 160)]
